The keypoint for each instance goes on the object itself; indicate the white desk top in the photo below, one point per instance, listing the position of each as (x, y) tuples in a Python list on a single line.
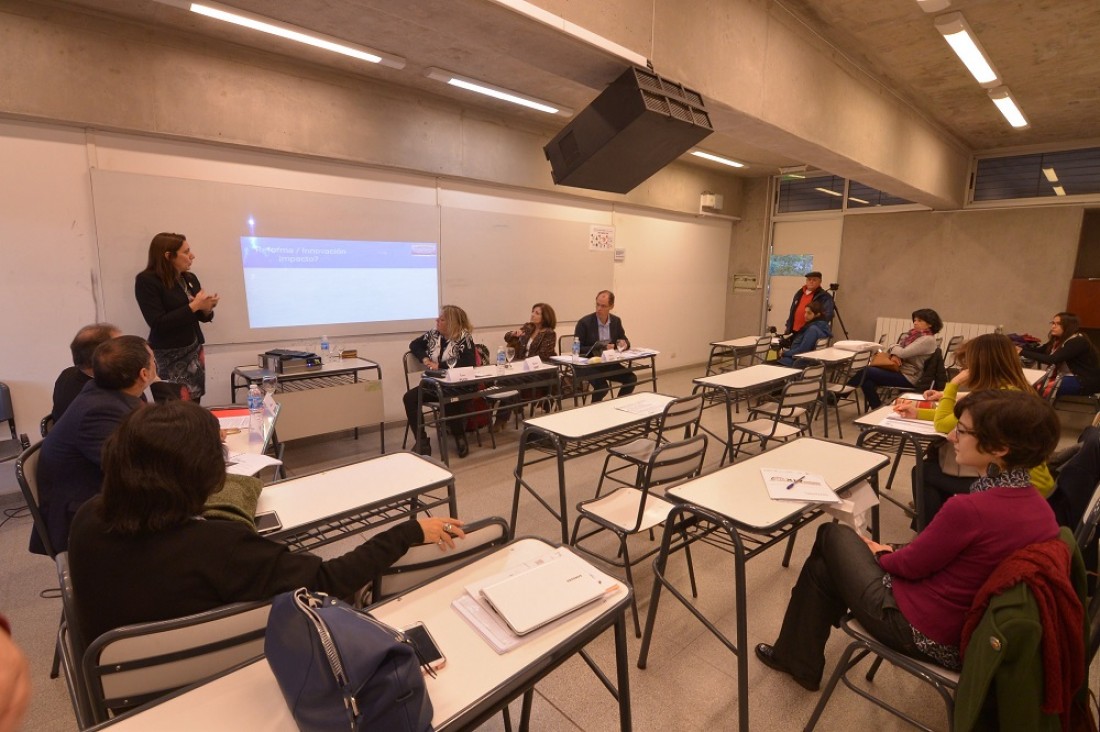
[(742, 342), (328, 368), (828, 355), (1033, 375), (738, 490), (923, 428), (305, 500), (612, 357), (242, 441), (475, 374), (748, 377), (249, 698), (595, 418)]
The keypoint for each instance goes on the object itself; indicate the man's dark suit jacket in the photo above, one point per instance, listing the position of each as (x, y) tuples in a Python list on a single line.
[(69, 471), (588, 331)]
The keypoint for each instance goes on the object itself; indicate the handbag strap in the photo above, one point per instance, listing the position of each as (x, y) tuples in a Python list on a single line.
[(306, 602)]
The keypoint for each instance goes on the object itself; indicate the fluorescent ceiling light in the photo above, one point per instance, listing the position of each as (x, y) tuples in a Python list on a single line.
[(1002, 97), (717, 159), (858, 200), (956, 31), (831, 193), (1060, 190), (291, 32), (934, 6), (507, 95), (534, 12), (1050, 174)]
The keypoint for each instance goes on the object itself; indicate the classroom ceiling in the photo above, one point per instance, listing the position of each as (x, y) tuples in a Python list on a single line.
[(1045, 50)]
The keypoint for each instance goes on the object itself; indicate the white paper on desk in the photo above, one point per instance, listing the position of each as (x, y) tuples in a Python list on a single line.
[(532, 364), (233, 423), (249, 463), (646, 406), (807, 486), (912, 396), (579, 360), (918, 426)]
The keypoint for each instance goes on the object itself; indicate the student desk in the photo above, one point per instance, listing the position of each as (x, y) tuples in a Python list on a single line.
[(635, 360), (577, 432), (341, 395), (331, 505), (475, 684), (483, 382), (916, 435), (1033, 375), (737, 385), (727, 355), (730, 508)]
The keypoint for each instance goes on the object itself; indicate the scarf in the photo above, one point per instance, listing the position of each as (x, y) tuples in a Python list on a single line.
[(913, 335)]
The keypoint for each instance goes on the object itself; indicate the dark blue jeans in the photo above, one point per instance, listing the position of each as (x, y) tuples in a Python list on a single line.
[(877, 377)]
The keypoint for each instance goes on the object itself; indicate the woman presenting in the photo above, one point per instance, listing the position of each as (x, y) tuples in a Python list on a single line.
[(173, 303)]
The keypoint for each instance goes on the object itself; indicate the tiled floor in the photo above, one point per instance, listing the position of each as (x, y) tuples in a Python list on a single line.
[(690, 680)]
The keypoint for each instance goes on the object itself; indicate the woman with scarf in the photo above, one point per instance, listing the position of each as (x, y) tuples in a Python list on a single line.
[(909, 354), (1070, 353), (450, 344), (915, 598)]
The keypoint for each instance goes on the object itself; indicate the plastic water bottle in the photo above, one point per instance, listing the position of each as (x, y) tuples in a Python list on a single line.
[(576, 350), (326, 353), (502, 359), (255, 413)]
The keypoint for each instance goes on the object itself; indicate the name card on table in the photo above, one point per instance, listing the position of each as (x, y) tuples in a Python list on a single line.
[(460, 373), (532, 364)]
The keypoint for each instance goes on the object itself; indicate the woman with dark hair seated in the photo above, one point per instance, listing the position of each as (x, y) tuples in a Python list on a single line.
[(909, 355), (1071, 354), (915, 599), (816, 328), (141, 552)]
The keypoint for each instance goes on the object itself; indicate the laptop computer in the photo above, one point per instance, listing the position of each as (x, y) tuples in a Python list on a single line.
[(543, 594)]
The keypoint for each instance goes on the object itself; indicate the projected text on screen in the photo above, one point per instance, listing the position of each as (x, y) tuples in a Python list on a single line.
[(319, 281)]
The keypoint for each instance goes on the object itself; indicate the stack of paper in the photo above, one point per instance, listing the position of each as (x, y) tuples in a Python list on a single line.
[(796, 485)]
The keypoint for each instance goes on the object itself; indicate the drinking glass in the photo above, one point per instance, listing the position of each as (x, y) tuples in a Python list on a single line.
[(509, 353), (620, 346), (270, 383), (451, 361)]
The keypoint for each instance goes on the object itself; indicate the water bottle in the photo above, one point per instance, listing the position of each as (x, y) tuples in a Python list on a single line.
[(255, 413), (502, 359), (326, 354), (576, 350)]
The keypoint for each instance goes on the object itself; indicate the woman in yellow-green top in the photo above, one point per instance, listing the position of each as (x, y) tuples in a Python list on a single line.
[(988, 362)]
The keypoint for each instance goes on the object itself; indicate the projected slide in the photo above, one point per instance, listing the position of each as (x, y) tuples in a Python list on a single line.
[(321, 281)]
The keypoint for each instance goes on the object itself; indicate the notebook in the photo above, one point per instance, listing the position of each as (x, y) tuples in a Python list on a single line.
[(543, 594)]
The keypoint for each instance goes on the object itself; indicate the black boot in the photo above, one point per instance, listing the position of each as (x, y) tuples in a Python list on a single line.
[(459, 432), (423, 445)]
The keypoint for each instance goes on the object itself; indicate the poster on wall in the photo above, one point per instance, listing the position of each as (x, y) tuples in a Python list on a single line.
[(601, 238), (790, 265)]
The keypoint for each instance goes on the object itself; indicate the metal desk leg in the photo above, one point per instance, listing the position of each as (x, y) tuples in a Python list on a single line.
[(622, 666)]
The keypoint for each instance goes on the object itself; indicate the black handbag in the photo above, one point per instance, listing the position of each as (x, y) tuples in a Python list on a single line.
[(339, 668)]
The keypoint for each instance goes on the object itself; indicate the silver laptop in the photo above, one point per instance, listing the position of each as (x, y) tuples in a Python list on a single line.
[(543, 594)]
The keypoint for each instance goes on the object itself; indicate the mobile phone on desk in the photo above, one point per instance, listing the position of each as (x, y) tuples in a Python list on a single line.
[(430, 655), (267, 522)]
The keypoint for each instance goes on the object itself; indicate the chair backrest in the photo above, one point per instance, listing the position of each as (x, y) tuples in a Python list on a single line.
[(952, 346), (1047, 387), (424, 562), (821, 343), (482, 355), (934, 375), (857, 366), (46, 425), (565, 344), (26, 473), (800, 393), (813, 373), (1085, 530), (71, 645), (761, 349), (672, 462), (681, 414), (7, 412), (412, 366), (134, 664)]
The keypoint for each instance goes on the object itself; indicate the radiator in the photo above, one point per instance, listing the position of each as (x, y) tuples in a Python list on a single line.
[(893, 328)]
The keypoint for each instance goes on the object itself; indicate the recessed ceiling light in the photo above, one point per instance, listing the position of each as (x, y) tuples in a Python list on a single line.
[(831, 193), (934, 6), (859, 200), (497, 92), (1060, 190), (717, 159), (1050, 174), (956, 31), (288, 31)]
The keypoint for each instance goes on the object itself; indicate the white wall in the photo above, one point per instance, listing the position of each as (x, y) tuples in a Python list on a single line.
[(676, 264)]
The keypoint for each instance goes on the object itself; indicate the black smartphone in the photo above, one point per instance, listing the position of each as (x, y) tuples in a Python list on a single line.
[(268, 522), (424, 643)]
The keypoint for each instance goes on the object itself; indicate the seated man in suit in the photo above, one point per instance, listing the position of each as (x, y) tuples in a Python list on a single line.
[(600, 329), (73, 379), (69, 462)]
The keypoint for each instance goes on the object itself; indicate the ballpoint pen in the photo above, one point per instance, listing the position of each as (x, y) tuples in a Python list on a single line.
[(796, 481)]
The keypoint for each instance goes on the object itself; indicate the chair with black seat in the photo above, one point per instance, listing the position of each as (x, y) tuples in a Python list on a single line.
[(630, 510), (678, 420), (10, 448), (424, 562), (950, 685), (767, 426)]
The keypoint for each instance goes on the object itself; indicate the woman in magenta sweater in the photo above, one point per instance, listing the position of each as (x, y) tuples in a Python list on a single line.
[(915, 599)]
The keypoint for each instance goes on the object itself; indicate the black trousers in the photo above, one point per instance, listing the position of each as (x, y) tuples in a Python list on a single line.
[(618, 374), (840, 574)]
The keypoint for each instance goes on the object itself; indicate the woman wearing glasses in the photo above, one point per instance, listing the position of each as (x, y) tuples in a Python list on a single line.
[(1070, 353), (915, 599)]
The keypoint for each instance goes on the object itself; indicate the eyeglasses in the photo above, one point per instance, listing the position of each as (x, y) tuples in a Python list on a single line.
[(962, 431), (1056, 322)]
